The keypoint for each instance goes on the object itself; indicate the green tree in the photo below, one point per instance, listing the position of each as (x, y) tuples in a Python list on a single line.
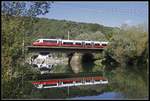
[(128, 44), (17, 19), (130, 83), (97, 36)]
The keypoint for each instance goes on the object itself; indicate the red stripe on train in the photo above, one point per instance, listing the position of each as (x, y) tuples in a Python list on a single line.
[(67, 80)]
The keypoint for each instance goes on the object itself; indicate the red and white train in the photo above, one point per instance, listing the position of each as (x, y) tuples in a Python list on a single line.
[(69, 43), (55, 83)]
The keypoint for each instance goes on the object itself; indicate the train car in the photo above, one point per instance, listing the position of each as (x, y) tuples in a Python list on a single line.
[(78, 43), (53, 83), (70, 43), (67, 43), (104, 44), (88, 44), (46, 42), (97, 44)]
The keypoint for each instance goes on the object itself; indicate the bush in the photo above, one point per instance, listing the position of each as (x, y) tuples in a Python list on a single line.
[(128, 44)]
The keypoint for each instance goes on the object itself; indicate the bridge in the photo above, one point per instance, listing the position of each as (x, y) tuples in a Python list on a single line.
[(75, 54), (63, 49)]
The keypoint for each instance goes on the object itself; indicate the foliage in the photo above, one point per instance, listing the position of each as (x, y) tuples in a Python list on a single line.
[(15, 21), (131, 84), (128, 45), (18, 86), (99, 66), (92, 36), (21, 8), (51, 28)]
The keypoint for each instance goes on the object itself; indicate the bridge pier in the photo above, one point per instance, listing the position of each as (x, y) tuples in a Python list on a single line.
[(75, 62)]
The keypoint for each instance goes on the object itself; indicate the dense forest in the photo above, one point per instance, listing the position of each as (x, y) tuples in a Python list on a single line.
[(127, 53), (52, 28)]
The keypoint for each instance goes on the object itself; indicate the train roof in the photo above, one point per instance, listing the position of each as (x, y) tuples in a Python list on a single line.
[(47, 39), (72, 40), (104, 42), (88, 41)]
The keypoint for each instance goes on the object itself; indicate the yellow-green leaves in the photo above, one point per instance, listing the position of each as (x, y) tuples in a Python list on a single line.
[(129, 42)]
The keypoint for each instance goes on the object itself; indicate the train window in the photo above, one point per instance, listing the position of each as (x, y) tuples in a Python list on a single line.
[(104, 80), (78, 43), (88, 44), (96, 44), (51, 41), (78, 81), (71, 43), (67, 82), (88, 80), (45, 41), (50, 85), (104, 44)]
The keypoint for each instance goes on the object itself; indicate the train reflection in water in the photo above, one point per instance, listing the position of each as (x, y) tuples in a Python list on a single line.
[(68, 82)]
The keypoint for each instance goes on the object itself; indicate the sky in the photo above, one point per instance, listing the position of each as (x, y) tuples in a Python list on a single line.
[(111, 14)]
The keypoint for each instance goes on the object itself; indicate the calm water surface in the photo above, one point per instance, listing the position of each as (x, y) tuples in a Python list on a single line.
[(129, 84), (107, 95)]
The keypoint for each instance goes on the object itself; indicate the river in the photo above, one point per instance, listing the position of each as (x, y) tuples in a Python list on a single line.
[(123, 84), (103, 96)]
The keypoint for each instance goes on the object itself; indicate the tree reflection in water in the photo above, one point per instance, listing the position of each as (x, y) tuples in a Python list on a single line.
[(132, 83)]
